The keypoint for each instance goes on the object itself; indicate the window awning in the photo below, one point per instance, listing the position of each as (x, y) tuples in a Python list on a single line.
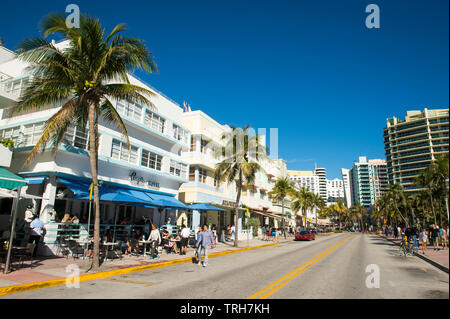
[(35, 180), (166, 201), (205, 206), (10, 180), (124, 195)]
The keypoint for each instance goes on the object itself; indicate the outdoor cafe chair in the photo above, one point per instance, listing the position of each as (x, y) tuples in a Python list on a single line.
[(75, 249), (20, 255)]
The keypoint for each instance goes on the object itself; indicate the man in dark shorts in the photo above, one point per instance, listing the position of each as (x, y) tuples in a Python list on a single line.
[(185, 233)]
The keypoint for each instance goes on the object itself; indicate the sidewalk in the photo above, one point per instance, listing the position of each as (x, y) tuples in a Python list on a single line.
[(439, 258), (54, 268)]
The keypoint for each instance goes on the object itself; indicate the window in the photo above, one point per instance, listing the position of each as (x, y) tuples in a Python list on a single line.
[(154, 121), (121, 152), (178, 169), (193, 144), (130, 110), (192, 173), (202, 175), (77, 137), (151, 160), (32, 133), (11, 133), (179, 134), (203, 147)]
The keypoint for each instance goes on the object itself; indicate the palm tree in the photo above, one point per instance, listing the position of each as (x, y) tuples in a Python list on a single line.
[(426, 179), (340, 208), (359, 212), (240, 166), (318, 203), (396, 196), (283, 187), (84, 77), (301, 201)]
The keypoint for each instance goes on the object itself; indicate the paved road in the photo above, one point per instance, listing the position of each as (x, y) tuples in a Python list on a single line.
[(329, 267)]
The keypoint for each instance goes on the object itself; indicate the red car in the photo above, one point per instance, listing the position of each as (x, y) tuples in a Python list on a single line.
[(305, 235)]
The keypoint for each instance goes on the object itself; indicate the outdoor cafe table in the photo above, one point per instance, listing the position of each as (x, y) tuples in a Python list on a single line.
[(107, 245), (144, 242)]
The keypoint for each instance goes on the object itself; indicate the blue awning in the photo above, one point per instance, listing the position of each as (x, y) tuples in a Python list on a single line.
[(166, 201), (35, 180), (124, 195), (77, 187), (205, 206)]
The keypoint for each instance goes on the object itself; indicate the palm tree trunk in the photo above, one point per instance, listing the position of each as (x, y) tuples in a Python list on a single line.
[(94, 172), (236, 218), (282, 213), (432, 208)]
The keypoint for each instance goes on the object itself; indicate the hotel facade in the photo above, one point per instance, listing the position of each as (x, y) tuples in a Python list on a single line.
[(202, 156), (411, 144), (170, 162), (152, 166)]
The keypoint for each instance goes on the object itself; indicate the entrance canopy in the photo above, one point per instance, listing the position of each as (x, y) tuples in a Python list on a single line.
[(205, 206), (123, 195), (10, 180)]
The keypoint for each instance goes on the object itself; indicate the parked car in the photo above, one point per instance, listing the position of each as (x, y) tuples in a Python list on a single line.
[(305, 235)]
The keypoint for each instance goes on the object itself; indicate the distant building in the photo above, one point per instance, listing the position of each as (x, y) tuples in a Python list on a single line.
[(322, 174), (335, 190), (305, 179), (347, 187), (410, 145), (368, 180)]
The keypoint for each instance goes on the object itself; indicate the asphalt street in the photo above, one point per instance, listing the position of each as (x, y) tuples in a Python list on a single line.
[(349, 265)]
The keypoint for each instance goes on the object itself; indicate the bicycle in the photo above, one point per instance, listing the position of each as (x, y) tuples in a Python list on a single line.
[(407, 248)]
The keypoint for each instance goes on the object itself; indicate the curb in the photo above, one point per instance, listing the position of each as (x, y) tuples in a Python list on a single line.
[(429, 260), (57, 282)]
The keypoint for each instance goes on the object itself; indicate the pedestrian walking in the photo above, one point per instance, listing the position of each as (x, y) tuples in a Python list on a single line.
[(206, 240), (273, 234), (185, 233), (155, 240), (423, 240), (37, 229), (395, 232), (443, 235), (435, 234), (198, 251)]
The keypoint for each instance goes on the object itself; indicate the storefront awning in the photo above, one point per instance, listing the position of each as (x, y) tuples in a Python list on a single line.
[(205, 206), (123, 195), (10, 180), (166, 201), (35, 180)]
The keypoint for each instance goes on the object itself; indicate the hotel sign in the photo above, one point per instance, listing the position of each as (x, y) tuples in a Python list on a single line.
[(228, 203), (139, 180)]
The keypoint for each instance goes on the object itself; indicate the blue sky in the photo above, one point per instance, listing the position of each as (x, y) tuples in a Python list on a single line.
[(309, 68)]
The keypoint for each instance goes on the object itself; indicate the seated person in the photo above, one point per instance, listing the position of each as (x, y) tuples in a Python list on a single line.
[(109, 236), (66, 218), (168, 237), (125, 221), (90, 247), (138, 234), (75, 220), (134, 243), (126, 246)]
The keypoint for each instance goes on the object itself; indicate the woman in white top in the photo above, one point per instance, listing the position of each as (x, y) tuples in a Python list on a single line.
[(424, 240)]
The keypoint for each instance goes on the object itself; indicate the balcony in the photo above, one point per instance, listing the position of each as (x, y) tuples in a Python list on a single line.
[(11, 89)]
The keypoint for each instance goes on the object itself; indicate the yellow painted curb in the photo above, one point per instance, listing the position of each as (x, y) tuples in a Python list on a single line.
[(57, 282)]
